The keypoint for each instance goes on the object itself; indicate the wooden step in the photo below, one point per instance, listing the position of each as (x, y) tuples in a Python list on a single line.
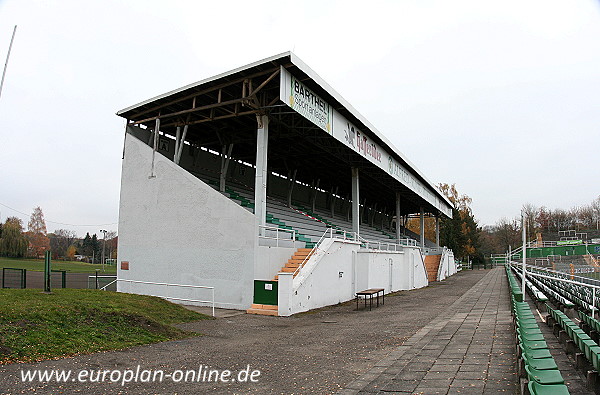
[(296, 261), (262, 312), (263, 306), (294, 265), (302, 254)]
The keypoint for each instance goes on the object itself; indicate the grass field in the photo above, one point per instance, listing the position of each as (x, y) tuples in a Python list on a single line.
[(72, 267), (36, 326)]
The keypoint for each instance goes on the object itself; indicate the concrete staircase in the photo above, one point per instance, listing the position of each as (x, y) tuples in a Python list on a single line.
[(295, 261), (290, 267), (432, 264)]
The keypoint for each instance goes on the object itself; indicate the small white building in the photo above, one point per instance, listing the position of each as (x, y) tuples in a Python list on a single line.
[(264, 185)]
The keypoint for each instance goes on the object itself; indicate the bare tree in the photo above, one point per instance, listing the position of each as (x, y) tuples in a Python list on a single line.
[(61, 240)]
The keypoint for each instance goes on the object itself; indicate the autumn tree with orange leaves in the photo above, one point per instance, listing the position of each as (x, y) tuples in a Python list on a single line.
[(37, 233), (460, 233)]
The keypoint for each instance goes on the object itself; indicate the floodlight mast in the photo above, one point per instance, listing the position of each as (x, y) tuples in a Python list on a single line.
[(524, 251), (7, 56)]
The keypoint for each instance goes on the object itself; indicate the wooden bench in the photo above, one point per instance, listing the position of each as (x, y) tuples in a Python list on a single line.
[(369, 294)]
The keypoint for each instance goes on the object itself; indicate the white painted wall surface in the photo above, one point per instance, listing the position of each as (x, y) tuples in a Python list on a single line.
[(173, 228), (270, 260), (393, 271), (319, 283)]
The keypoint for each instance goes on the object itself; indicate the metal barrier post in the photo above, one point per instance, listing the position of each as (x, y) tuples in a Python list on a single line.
[(24, 278), (47, 271), (593, 302), (96, 278), (3, 276)]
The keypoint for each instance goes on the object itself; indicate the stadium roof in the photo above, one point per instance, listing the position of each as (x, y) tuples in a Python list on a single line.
[(221, 110)]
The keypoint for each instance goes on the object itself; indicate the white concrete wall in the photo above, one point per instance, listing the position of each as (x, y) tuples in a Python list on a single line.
[(270, 260), (393, 271), (320, 284), (173, 228), (447, 265)]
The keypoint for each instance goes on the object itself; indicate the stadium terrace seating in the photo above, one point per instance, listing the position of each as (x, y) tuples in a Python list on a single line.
[(308, 226), (536, 362), (582, 341)]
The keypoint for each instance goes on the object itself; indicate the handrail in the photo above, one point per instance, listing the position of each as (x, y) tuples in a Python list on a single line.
[(175, 285), (313, 250), (357, 238), (109, 284), (277, 230), (560, 275), (407, 243)]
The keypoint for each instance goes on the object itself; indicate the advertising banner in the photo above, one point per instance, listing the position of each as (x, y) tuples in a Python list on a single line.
[(307, 103)]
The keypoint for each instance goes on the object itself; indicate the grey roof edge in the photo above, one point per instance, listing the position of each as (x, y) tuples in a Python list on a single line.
[(332, 92), (204, 81)]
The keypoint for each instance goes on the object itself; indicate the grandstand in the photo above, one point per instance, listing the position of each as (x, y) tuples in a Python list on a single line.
[(263, 189)]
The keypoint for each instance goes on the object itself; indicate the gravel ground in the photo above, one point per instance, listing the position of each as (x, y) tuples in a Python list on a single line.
[(315, 352)]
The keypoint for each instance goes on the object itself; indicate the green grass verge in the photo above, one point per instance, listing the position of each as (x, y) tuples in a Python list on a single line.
[(37, 265), (37, 326)]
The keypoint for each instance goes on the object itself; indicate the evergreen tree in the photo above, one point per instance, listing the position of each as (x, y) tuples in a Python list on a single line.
[(95, 244)]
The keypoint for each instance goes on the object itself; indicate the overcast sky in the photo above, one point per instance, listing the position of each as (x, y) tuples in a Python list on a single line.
[(500, 97)]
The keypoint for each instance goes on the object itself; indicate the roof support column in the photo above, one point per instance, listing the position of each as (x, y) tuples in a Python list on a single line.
[(291, 188), (179, 144), (374, 212), (313, 202), (398, 214), (260, 178), (225, 157), (154, 146), (422, 226), (333, 197), (355, 202), (437, 230)]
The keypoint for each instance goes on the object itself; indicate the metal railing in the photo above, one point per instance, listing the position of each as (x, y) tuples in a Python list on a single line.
[(172, 285), (277, 231), (549, 274), (96, 280), (383, 246), (344, 237), (354, 237)]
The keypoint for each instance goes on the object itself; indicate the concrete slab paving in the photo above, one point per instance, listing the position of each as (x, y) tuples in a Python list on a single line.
[(468, 349)]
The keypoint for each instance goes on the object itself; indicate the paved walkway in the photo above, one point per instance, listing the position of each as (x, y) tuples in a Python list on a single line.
[(452, 336), (468, 349)]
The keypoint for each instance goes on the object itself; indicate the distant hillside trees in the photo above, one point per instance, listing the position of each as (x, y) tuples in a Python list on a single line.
[(541, 220), (60, 241)]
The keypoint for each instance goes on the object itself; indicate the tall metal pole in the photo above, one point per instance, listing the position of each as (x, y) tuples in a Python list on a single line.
[(524, 252), (7, 56), (103, 246)]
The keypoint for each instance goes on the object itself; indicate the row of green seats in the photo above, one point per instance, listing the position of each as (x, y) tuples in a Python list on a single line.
[(515, 289), (593, 323), (551, 289), (585, 343), (541, 369)]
